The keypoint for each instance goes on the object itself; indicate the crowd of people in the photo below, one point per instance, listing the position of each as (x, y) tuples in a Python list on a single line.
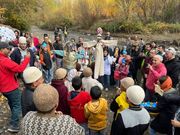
[(63, 84)]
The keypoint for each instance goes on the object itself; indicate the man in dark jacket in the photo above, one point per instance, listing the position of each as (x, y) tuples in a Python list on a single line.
[(32, 78), (172, 65), (165, 109), (18, 53), (9, 85), (58, 46), (134, 120)]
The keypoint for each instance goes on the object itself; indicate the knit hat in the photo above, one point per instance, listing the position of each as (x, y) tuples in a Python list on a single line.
[(60, 73), (167, 84), (31, 74), (22, 40), (71, 74), (159, 57), (135, 94), (127, 82), (87, 72), (45, 97), (172, 50)]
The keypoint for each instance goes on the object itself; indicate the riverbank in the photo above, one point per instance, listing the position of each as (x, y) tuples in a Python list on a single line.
[(165, 38)]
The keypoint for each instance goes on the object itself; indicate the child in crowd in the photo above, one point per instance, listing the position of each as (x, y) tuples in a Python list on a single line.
[(120, 102), (134, 120), (78, 68), (32, 77), (88, 82), (47, 120), (108, 60), (68, 82), (76, 100), (46, 62), (58, 83), (96, 112)]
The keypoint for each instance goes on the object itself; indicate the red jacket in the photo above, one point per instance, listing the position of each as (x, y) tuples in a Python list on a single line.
[(77, 106), (8, 69)]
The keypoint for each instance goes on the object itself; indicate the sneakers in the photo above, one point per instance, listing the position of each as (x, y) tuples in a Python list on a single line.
[(13, 129)]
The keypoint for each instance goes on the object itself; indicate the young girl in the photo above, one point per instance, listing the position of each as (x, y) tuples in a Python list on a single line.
[(108, 60), (46, 62)]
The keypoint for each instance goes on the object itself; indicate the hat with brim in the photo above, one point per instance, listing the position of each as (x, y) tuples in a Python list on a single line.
[(5, 45)]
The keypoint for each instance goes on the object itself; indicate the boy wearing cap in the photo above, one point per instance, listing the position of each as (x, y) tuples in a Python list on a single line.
[(32, 77), (134, 120), (88, 82), (46, 62), (9, 85), (120, 102), (46, 120), (58, 83)]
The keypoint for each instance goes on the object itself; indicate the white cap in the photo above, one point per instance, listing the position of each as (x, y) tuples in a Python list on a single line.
[(31, 74), (159, 57), (135, 94), (172, 50), (22, 40)]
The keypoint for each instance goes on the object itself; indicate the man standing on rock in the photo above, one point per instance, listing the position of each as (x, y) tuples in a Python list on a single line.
[(9, 85)]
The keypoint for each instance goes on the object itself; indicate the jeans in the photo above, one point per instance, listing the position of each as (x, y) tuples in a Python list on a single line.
[(84, 125), (95, 132), (14, 101), (152, 131), (106, 81), (59, 62), (48, 75)]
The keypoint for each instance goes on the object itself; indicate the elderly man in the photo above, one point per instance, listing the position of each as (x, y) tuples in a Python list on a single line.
[(172, 65), (18, 53), (9, 85), (156, 70)]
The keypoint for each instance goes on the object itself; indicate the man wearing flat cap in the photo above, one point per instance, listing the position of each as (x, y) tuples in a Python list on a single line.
[(172, 65), (9, 85)]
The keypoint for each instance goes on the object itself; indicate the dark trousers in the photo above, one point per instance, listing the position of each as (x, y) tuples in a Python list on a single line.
[(14, 101), (106, 81)]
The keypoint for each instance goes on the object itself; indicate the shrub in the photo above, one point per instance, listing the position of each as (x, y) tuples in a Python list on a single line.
[(51, 23), (16, 21), (107, 26), (131, 27)]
